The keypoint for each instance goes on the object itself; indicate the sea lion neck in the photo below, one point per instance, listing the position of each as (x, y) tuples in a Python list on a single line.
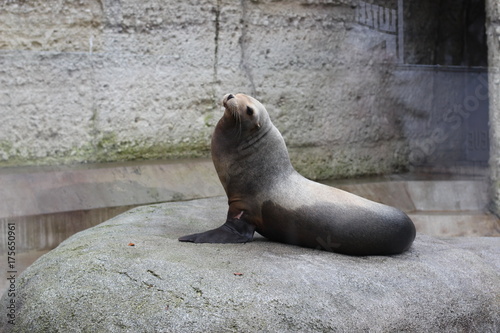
[(256, 137)]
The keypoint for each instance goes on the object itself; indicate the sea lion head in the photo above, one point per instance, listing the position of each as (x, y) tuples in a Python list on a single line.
[(247, 113)]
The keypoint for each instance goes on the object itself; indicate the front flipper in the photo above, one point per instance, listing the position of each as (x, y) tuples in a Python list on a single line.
[(234, 230)]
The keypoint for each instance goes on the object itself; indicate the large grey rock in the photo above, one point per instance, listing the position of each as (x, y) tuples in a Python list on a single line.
[(96, 282)]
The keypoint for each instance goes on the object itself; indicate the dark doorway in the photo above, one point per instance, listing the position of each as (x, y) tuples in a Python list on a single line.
[(445, 63)]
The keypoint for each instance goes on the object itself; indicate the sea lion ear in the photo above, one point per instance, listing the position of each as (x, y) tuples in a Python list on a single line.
[(258, 125)]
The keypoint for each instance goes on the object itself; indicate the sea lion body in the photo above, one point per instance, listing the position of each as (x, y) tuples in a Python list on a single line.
[(266, 194)]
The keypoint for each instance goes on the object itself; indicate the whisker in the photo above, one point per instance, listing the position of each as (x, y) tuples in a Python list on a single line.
[(240, 130), (237, 119)]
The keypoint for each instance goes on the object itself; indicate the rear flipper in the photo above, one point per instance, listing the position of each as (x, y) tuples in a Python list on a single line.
[(234, 230)]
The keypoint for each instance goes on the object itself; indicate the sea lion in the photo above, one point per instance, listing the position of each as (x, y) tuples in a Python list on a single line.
[(266, 194)]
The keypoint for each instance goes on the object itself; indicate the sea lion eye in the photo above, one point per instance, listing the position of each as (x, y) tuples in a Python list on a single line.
[(249, 111)]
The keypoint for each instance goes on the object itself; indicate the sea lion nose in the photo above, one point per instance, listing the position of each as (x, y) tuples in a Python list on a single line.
[(229, 97)]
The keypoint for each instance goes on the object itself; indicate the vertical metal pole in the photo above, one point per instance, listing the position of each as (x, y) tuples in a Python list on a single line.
[(401, 43)]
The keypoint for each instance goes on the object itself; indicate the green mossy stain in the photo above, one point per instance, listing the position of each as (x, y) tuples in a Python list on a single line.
[(208, 120), (109, 148), (321, 164), (5, 146)]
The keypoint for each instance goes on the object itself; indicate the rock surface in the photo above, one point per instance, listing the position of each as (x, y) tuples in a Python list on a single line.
[(97, 281)]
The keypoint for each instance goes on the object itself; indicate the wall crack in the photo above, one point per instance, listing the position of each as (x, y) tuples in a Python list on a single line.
[(243, 41), (216, 41)]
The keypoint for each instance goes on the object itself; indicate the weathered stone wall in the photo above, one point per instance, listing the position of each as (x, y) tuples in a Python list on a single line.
[(493, 32), (99, 81)]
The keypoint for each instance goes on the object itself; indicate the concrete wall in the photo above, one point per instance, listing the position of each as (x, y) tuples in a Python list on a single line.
[(99, 81), (493, 33)]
